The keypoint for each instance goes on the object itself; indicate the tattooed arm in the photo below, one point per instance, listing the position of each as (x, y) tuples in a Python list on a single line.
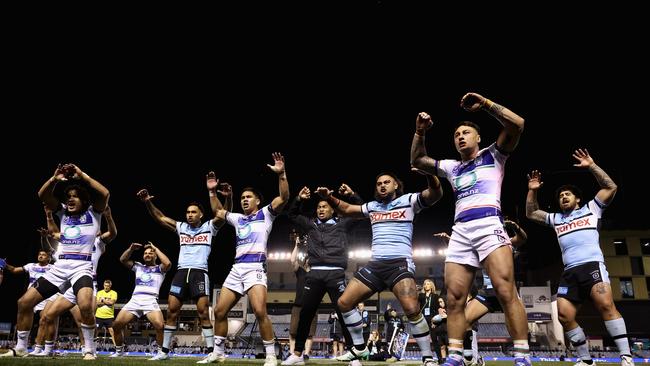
[(607, 186), (533, 212), (513, 124)]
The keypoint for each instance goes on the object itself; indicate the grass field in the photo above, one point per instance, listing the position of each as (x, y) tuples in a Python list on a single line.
[(141, 361)]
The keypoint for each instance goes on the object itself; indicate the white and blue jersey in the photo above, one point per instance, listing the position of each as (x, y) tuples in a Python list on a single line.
[(577, 233), (252, 233), (148, 279), (476, 183), (78, 234), (35, 271), (392, 225), (196, 244)]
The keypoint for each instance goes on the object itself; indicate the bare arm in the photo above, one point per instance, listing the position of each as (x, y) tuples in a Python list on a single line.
[(100, 200), (109, 301), (294, 256), (109, 235), (513, 124), (14, 270), (218, 210), (125, 258), (533, 213), (433, 193), (157, 215), (342, 208), (419, 157), (280, 201), (607, 186), (164, 260), (46, 193), (520, 237)]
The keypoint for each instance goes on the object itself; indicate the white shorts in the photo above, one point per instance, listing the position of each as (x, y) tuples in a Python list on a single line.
[(243, 276), (70, 296), (65, 275), (41, 305), (472, 241), (140, 305)]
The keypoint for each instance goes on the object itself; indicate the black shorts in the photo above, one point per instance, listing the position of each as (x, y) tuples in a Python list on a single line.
[(489, 299), (576, 282), (382, 274), (104, 322), (335, 337), (190, 283)]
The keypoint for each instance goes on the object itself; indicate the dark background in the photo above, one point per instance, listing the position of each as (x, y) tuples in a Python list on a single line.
[(158, 104)]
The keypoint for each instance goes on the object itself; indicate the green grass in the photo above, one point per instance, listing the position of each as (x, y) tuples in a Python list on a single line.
[(141, 361)]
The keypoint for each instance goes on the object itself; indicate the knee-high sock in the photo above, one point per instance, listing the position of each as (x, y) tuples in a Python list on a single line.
[(420, 331), (579, 341), (475, 344), (208, 334), (88, 332), (220, 345), (468, 340), (616, 329), (167, 337), (354, 323)]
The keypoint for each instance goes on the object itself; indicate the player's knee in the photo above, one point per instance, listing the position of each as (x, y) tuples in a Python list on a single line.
[(25, 304), (607, 308), (260, 312), (412, 311), (344, 305), (506, 293), (220, 314), (565, 318)]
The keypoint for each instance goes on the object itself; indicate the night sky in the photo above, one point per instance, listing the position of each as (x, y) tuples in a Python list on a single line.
[(341, 108)]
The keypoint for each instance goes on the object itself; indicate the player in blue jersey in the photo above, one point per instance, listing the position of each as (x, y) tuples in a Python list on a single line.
[(478, 238), (191, 279), (585, 276), (391, 265), (248, 273)]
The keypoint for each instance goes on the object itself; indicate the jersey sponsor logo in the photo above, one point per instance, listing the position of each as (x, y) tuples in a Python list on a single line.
[(244, 231), (198, 239), (465, 181), (395, 215), (573, 225), (71, 232), (562, 290), (145, 277)]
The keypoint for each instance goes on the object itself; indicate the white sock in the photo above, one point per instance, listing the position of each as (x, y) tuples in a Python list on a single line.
[(616, 329), (219, 345), (23, 338), (88, 332), (269, 346)]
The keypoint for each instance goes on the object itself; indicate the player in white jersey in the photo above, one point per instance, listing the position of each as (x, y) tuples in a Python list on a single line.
[(391, 266), (585, 276), (478, 238), (248, 273), (34, 272), (148, 279), (191, 279), (80, 222), (47, 329), (485, 301)]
